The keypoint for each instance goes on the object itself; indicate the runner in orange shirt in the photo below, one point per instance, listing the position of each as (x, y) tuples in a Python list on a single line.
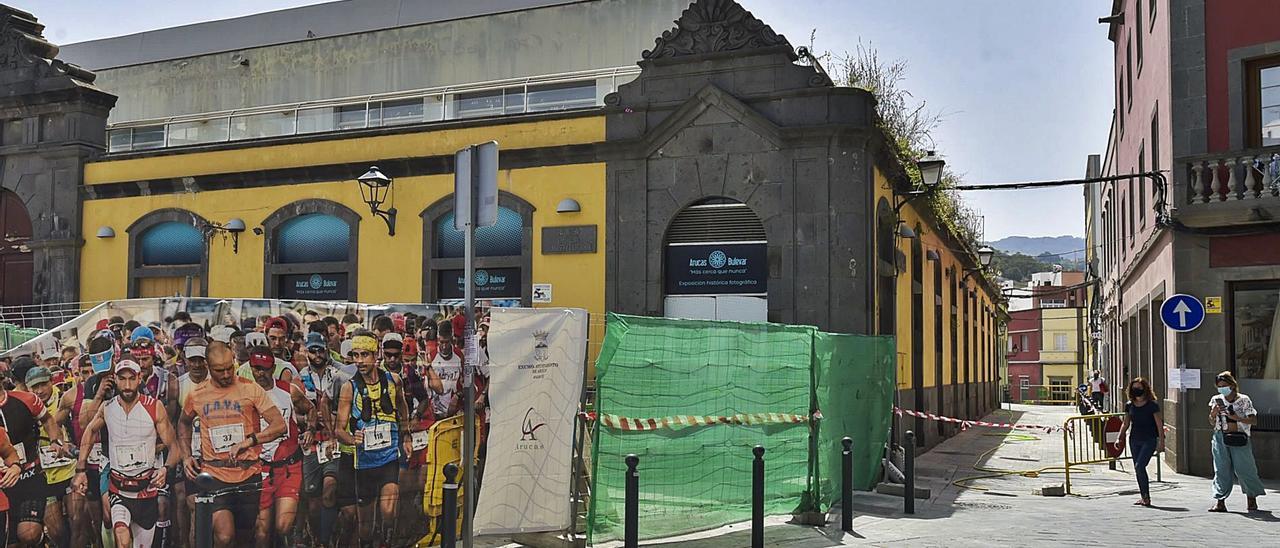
[(230, 409)]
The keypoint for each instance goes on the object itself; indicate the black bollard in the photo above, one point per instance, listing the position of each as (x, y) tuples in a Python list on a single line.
[(204, 511), (631, 517), (448, 526), (757, 498), (909, 475), (846, 485)]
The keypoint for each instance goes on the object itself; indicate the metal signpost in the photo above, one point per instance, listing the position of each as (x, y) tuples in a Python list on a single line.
[(475, 204), (1182, 313)]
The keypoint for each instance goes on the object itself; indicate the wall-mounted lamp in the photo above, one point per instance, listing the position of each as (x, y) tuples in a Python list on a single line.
[(106, 232), (374, 188), (931, 168), (906, 231), (985, 254), (568, 205), (233, 227), (932, 255)]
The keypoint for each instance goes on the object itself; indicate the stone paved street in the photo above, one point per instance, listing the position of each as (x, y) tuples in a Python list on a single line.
[(1008, 513)]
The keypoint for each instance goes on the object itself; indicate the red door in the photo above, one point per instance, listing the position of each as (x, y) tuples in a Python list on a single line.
[(15, 256)]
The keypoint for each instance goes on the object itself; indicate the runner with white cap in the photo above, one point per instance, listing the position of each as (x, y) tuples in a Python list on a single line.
[(132, 421)]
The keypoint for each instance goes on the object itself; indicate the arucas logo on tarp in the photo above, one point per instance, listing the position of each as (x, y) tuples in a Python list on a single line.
[(482, 277), (316, 281), (532, 422)]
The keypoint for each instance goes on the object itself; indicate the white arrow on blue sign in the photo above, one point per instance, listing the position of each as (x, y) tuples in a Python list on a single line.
[(1182, 312)]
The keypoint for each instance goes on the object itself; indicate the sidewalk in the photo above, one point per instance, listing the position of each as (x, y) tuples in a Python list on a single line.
[(1008, 513)]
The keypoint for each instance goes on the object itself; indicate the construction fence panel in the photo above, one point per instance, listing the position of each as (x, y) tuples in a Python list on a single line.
[(691, 398), (853, 385), (699, 476)]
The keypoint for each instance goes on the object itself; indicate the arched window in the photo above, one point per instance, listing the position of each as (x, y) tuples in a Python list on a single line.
[(886, 268), (311, 252), (716, 263), (503, 253), (168, 255)]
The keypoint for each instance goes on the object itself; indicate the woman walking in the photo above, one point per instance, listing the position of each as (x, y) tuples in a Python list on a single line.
[(1232, 414), (1146, 438)]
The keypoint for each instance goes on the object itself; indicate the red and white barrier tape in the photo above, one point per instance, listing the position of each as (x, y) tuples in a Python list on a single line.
[(630, 424), (966, 424)]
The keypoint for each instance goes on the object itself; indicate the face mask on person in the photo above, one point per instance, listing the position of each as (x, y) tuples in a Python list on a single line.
[(1137, 392), (1224, 390)]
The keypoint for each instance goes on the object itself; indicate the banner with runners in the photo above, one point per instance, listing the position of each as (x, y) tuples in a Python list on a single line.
[(536, 365)]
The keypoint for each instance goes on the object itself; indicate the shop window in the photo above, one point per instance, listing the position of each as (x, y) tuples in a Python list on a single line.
[(1255, 334), (504, 254), (1263, 88), (500, 240), (168, 255), (311, 252)]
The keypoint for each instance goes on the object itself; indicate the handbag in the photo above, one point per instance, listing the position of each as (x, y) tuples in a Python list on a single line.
[(1235, 439)]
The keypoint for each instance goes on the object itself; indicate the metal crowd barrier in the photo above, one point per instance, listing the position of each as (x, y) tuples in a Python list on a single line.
[(1086, 440)]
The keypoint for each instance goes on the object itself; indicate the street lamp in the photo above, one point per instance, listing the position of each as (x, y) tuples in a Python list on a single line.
[(931, 167), (374, 187), (930, 170), (985, 254)]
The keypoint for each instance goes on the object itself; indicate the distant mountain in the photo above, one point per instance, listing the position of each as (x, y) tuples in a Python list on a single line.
[(1067, 248)]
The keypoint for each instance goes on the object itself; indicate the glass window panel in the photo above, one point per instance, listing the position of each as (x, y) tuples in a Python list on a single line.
[(483, 103), (350, 116), (148, 137), (1257, 328), (313, 238), (1270, 126), (171, 243), (513, 99), (314, 120), (562, 96), (1270, 76), (194, 133), (433, 111), (253, 126), (119, 140), (1271, 96), (505, 238), (407, 111)]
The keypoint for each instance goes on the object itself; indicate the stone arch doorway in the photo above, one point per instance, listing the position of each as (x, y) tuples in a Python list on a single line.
[(16, 265), (716, 263)]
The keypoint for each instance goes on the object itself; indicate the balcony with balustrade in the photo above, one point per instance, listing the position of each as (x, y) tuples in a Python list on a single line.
[(1227, 188)]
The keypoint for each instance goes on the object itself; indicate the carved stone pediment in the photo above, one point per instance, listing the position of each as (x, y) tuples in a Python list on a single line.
[(712, 26), (23, 48)]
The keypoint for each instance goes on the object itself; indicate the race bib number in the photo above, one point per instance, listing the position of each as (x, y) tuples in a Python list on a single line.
[(419, 440), (22, 452), (49, 458), (130, 455), (96, 457), (325, 451), (195, 438), (224, 438), (377, 437)]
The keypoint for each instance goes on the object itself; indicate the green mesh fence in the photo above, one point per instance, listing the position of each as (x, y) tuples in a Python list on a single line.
[(853, 381), (699, 477)]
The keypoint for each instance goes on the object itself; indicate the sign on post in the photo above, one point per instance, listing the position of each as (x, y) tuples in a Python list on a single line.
[(1182, 313), (475, 185)]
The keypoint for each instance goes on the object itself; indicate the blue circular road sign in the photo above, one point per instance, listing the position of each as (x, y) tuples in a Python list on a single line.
[(1182, 312)]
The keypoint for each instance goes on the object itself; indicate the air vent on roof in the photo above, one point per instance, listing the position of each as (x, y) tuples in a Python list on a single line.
[(715, 221)]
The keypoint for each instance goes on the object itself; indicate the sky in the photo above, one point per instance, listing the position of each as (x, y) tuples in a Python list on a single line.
[(1024, 85)]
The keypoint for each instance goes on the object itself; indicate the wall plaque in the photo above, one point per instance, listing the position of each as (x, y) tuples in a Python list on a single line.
[(568, 239)]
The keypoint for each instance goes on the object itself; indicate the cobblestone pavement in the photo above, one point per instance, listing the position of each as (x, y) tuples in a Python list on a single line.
[(1009, 513)]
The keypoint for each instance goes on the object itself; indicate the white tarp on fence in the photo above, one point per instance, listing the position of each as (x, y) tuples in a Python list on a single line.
[(536, 361)]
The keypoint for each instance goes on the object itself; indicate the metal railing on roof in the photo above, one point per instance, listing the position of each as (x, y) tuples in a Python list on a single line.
[(543, 93)]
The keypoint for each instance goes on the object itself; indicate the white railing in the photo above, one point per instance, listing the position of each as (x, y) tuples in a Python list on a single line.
[(1239, 175), (544, 93)]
